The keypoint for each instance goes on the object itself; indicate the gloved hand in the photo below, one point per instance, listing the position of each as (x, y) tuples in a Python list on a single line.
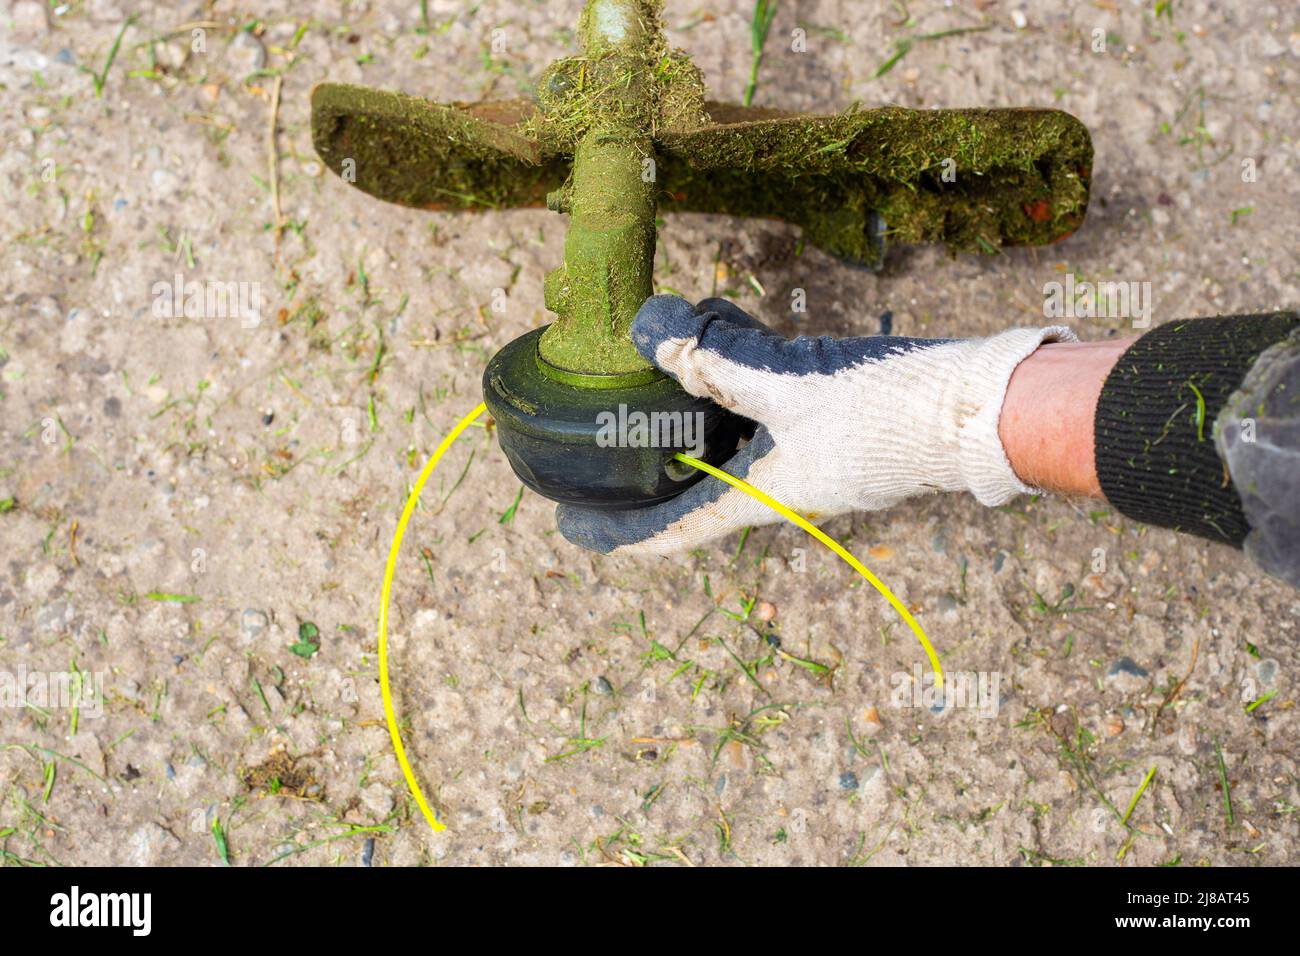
[(843, 424)]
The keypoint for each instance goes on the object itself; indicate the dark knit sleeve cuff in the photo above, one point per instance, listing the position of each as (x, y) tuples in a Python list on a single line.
[(1154, 427)]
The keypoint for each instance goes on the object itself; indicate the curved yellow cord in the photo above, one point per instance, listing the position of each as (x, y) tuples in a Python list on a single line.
[(389, 714), (824, 538)]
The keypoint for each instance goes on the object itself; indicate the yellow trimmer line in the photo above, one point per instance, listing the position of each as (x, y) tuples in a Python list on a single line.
[(390, 714)]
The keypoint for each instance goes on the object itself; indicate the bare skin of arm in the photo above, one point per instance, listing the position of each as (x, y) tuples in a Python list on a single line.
[(1046, 424)]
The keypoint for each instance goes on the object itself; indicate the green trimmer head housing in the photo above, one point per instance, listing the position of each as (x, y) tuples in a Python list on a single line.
[(624, 131)]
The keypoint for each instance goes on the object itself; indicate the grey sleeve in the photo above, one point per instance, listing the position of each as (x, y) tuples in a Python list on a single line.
[(1257, 435)]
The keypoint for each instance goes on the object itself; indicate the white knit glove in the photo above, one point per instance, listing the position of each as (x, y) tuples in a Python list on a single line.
[(844, 424)]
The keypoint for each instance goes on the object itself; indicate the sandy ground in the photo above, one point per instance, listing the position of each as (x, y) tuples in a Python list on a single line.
[(196, 512)]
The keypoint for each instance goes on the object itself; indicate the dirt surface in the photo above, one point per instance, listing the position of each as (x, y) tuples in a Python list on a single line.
[(197, 510)]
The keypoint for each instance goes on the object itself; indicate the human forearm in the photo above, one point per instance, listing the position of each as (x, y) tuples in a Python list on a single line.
[(1191, 426), (1046, 424)]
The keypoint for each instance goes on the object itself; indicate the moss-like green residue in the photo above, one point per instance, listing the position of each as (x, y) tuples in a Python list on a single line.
[(406, 150), (974, 180)]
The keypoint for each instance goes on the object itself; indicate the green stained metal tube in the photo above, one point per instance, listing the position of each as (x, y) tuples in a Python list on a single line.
[(611, 199), (608, 258)]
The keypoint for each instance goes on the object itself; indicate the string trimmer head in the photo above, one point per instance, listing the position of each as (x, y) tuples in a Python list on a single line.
[(624, 132)]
